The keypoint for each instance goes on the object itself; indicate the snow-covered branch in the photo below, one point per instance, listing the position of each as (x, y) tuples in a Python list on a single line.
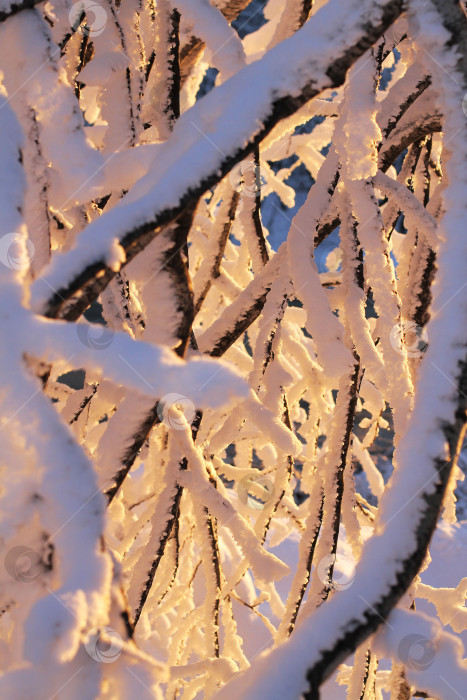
[(247, 442), (315, 63)]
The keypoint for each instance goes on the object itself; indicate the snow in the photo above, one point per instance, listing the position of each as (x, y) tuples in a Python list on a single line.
[(214, 128), (208, 340), (149, 369), (76, 178), (208, 23), (239, 550), (410, 205), (325, 328), (357, 146), (393, 538), (432, 657)]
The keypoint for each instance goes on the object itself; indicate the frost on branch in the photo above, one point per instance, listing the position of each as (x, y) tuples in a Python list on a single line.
[(234, 374)]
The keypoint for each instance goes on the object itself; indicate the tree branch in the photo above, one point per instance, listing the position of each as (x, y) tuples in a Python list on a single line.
[(16, 7), (90, 281)]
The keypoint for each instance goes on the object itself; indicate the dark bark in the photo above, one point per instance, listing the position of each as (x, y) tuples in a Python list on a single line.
[(309, 563), (173, 512), (224, 237), (432, 124), (17, 7), (256, 214), (357, 630), (173, 105), (422, 85), (192, 50), (87, 282)]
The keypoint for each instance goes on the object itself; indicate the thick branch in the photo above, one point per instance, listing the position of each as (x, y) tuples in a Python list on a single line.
[(90, 281), (16, 7), (193, 49)]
